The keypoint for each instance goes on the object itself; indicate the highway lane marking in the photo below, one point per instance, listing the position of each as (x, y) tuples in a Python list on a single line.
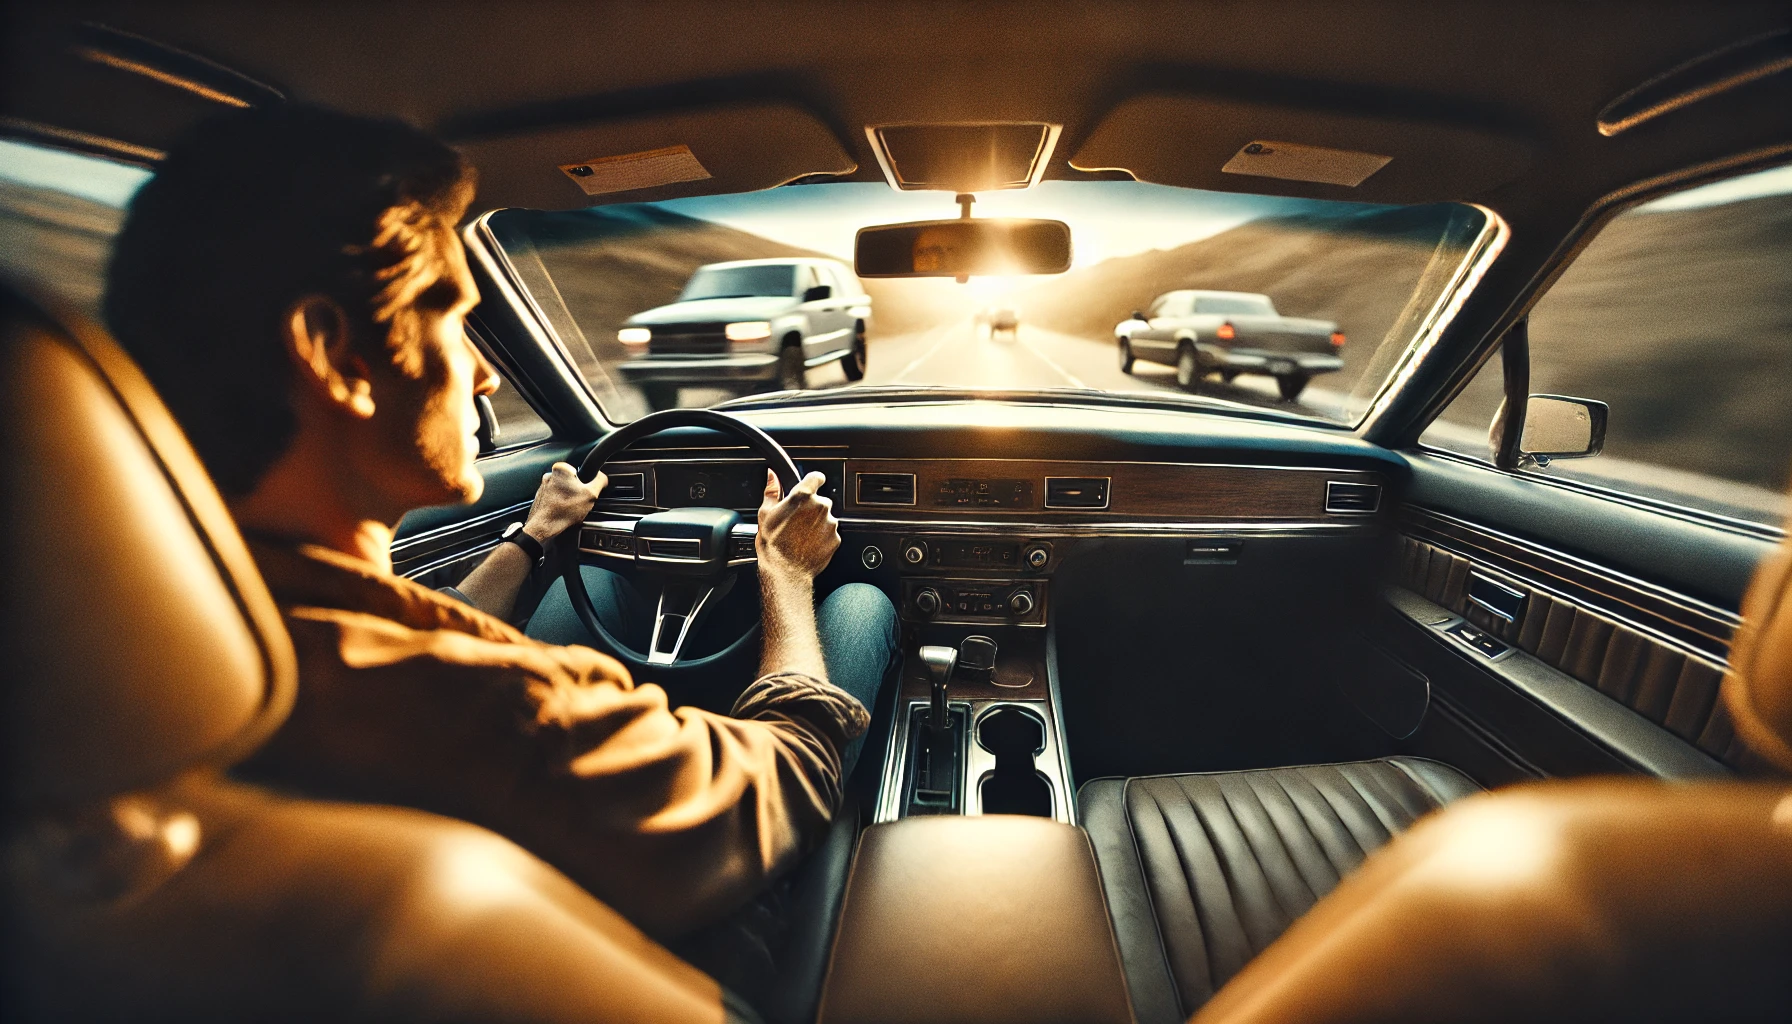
[(1074, 380), (945, 335)]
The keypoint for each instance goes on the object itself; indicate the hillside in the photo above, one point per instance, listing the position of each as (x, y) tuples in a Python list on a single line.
[(1357, 271)]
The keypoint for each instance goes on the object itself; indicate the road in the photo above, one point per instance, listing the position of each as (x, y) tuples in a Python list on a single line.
[(962, 355)]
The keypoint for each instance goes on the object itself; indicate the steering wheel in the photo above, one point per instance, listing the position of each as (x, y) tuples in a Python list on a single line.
[(693, 554)]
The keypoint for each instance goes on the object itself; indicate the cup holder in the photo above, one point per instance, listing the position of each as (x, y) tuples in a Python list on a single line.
[(1015, 737)]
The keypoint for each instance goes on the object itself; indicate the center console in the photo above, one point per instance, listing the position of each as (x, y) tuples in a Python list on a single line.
[(976, 728)]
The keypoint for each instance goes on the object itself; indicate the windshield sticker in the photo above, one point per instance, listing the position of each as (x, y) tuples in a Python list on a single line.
[(636, 170)]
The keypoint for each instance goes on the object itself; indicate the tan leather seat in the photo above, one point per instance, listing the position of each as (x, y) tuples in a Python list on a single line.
[(1569, 901), (145, 656)]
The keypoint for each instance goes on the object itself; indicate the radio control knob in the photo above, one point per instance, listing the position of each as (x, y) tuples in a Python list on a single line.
[(927, 601), (1020, 602), (1037, 556), (914, 553)]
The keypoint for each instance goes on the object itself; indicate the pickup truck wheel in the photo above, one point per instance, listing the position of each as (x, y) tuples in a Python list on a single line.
[(1125, 354), (855, 362), (1188, 366), (792, 374), (660, 396), (1291, 385)]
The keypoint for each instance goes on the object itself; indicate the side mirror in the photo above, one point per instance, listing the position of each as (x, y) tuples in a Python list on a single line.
[(1561, 427), (819, 292), (963, 248), (1137, 315), (489, 431)]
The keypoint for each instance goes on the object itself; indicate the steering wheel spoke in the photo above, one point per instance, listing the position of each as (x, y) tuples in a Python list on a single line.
[(681, 609)]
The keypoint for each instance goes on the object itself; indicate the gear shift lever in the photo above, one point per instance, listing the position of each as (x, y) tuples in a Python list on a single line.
[(939, 661)]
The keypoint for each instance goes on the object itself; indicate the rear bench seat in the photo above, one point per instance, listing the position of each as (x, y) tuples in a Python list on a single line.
[(1204, 871)]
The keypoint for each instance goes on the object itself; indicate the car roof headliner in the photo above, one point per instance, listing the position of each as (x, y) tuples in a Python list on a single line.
[(1534, 74)]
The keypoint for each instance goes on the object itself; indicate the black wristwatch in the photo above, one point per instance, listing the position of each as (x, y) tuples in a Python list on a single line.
[(531, 547)]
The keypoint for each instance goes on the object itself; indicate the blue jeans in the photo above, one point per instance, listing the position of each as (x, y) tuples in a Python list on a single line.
[(860, 637)]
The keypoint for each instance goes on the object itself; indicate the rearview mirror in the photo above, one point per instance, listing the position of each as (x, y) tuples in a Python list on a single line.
[(1560, 427), (963, 248)]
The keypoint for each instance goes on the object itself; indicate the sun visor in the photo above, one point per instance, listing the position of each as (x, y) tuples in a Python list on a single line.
[(662, 156), (1236, 146)]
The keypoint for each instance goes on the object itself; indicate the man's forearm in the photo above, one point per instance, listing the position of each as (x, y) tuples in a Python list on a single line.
[(493, 586), (791, 642)]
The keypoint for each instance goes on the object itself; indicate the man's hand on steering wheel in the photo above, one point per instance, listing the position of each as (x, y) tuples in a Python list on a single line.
[(798, 533), (561, 502)]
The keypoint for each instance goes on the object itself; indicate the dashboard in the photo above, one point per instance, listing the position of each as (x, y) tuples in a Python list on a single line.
[(958, 533)]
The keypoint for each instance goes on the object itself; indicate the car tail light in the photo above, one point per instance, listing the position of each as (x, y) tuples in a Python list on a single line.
[(634, 335), (750, 330), (1337, 339), (1226, 333)]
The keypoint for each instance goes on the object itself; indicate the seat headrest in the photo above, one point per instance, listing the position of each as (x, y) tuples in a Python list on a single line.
[(1758, 687), (141, 641)]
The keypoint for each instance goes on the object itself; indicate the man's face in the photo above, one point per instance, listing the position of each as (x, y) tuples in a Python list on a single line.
[(425, 421)]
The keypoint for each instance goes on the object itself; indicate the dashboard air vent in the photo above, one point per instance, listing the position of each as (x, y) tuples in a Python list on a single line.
[(627, 487), (1076, 491), (1351, 499), (886, 488)]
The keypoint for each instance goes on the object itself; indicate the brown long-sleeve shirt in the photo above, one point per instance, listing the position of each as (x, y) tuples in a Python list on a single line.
[(673, 817)]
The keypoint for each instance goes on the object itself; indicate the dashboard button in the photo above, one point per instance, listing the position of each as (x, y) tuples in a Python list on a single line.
[(1020, 602), (914, 553), (871, 557), (927, 601)]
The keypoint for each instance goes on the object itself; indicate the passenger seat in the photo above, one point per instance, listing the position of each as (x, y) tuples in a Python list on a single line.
[(1202, 872)]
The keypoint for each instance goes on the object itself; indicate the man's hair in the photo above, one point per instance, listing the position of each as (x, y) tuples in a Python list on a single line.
[(251, 212)]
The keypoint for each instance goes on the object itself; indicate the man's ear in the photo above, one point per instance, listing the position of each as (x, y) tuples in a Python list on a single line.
[(321, 344)]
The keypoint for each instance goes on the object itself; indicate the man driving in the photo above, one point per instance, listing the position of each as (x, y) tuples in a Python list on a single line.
[(292, 283)]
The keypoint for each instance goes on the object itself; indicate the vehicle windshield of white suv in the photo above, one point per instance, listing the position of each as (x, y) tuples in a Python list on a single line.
[(739, 282), (1208, 299)]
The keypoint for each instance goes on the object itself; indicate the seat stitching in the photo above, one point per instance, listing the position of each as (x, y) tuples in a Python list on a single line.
[(1226, 876), (1327, 795), (1437, 799), (1364, 793), (1281, 840), (1337, 869), (1163, 950)]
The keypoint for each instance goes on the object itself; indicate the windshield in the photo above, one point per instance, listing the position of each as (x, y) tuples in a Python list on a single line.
[(1331, 296), (740, 282)]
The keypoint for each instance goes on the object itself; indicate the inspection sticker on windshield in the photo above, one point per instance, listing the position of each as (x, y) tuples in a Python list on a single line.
[(1292, 161), (636, 170)]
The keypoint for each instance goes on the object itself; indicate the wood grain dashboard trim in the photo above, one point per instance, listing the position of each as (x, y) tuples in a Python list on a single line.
[(1187, 492)]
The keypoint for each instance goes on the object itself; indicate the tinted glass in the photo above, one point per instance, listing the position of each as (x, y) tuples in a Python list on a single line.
[(734, 282), (1234, 305)]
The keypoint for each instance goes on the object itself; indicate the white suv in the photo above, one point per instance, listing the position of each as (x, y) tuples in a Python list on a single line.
[(749, 325)]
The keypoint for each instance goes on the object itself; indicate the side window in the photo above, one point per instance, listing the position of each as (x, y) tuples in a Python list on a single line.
[(58, 213), (1678, 317), (518, 422)]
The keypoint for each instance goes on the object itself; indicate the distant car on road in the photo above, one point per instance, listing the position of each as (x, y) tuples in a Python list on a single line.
[(749, 325), (1199, 332), (1004, 318)]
